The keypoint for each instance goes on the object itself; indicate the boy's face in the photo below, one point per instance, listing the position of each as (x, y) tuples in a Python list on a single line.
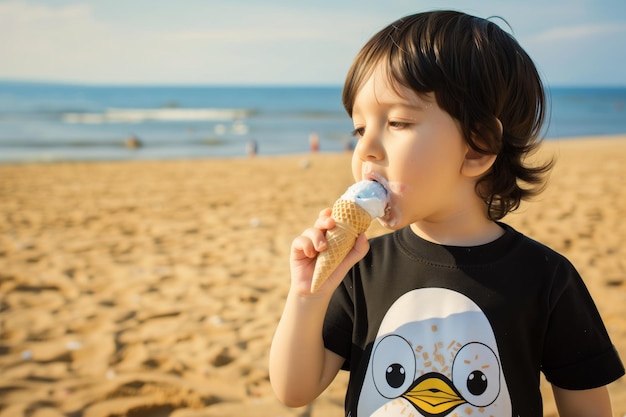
[(414, 148)]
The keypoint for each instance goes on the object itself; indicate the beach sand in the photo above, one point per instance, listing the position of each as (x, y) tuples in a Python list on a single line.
[(154, 288)]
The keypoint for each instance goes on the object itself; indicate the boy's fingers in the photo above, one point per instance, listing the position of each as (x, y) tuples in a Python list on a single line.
[(326, 212), (311, 242), (303, 245), (324, 221)]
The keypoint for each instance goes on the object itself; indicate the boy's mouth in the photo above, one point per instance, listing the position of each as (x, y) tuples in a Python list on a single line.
[(385, 184), (377, 178), (390, 218)]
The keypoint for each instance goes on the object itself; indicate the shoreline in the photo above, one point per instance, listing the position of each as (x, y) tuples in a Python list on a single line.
[(243, 155), (154, 287)]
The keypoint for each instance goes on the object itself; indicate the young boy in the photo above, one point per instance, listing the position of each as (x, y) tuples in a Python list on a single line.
[(454, 313)]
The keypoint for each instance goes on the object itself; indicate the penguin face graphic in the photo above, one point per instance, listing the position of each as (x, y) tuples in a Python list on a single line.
[(435, 355)]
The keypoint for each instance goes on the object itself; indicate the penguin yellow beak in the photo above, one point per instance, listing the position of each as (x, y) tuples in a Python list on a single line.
[(434, 395)]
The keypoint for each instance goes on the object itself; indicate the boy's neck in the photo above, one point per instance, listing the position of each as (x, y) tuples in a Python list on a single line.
[(459, 233)]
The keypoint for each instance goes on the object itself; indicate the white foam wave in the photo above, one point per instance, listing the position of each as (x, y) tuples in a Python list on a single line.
[(159, 115)]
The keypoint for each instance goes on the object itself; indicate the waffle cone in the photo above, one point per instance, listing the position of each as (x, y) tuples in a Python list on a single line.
[(351, 220)]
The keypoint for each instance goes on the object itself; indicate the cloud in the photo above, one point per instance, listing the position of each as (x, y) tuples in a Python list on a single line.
[(578, 32), (22, 23), (251, 35), (19, 13), (40, 40), (265, 45), (270, 42), (585, 54)]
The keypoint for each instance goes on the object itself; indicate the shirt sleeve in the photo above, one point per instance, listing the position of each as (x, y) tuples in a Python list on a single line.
[(578, 353), (338, 323)]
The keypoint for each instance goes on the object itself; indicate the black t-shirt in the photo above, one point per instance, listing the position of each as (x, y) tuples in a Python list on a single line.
[(432, 330)]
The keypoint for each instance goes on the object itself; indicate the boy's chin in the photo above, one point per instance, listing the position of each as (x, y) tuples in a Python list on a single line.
[(390, 223)]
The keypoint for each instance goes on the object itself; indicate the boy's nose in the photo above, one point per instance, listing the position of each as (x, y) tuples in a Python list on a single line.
[(369, 147)]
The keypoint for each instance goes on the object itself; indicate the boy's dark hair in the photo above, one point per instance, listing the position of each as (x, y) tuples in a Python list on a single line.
[(479, 75)]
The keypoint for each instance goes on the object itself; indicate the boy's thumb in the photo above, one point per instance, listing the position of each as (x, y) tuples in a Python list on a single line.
[(360, 249)]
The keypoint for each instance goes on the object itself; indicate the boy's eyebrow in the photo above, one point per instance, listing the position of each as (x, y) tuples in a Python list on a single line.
[(412, 106), (418, 106), (413, 102), (420, 101)]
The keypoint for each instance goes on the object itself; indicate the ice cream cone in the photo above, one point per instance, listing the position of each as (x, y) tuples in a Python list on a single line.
[(351, 220)]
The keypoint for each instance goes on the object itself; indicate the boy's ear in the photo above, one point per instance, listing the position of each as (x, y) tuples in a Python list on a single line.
[(477, 163)]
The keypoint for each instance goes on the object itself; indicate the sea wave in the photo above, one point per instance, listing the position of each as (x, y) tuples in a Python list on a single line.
[(114, 115)]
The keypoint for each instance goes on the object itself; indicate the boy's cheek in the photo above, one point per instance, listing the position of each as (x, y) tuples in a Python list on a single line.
[(357, 167)]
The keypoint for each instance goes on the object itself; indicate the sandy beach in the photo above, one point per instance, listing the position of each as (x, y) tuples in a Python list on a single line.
[(153, 288)]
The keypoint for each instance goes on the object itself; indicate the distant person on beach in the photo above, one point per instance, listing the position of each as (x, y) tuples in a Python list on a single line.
[(314, 142), (454, 312), (133, 142), (252, 148)]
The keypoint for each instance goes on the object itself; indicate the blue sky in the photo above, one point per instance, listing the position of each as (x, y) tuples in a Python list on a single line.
[(573, 42)]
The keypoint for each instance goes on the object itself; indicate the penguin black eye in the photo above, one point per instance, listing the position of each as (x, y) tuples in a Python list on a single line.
[(395, 375), (476, 374), (393, 366), (477, 383)]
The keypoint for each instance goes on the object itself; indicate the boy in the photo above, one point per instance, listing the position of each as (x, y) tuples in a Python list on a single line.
[(454, 312)]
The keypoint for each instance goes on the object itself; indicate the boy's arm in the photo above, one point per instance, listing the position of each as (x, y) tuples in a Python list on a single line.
[(300, 366), (583, 403)]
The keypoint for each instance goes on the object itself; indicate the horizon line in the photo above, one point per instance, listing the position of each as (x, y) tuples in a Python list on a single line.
[(239, 84)]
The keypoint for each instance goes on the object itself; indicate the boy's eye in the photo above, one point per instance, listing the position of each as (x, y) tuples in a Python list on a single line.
[(398, 125), (358, 132)]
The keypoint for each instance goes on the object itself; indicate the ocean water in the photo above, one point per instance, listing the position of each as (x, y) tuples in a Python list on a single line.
[(55, 122)]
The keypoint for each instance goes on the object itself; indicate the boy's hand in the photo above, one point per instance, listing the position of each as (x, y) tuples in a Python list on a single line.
[(306, 247)]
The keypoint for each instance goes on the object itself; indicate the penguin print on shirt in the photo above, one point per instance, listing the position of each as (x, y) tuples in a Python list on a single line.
[(435, 355)]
